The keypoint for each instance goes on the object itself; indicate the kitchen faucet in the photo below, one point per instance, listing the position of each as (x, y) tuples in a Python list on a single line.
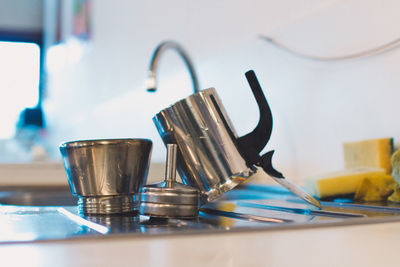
[(152, 79)]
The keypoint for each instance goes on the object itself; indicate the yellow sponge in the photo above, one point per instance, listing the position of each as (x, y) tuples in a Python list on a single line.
[(340, 183), (369, 153), (375, 188), (395, 160), (395, 197)]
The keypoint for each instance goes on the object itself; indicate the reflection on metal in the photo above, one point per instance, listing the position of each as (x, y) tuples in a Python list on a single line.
[(117, 224), (234, 214), (311, 212), (242, 216), (361, 207), (97, 227)]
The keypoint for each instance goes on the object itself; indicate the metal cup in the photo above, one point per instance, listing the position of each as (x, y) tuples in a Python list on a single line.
[(107, 174)]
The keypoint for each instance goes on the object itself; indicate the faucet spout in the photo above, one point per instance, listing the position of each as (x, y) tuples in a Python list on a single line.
[(152, 78)]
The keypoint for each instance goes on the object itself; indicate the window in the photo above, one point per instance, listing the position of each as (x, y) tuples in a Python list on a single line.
[(19, 82)]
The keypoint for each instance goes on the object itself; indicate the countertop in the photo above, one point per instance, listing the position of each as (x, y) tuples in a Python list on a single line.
[(362, 245)]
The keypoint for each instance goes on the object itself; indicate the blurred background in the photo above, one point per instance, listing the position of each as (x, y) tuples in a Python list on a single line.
[(76, 69)]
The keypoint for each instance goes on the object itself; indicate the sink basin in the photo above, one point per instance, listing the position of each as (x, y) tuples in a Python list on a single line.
[(52, 195), (30, 213)]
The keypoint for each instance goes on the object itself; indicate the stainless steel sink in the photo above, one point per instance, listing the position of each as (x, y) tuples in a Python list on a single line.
[(60, 195), (37, 196), (31, 213)]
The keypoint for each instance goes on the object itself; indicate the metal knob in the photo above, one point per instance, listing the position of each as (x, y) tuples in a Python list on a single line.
[(170, 168), (170, 199)]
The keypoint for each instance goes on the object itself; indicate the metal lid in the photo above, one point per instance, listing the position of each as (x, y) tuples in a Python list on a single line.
[(176, 194), (169, 198), (169, 210)]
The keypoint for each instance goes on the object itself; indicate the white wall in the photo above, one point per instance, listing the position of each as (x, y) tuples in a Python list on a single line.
[(316, 105)]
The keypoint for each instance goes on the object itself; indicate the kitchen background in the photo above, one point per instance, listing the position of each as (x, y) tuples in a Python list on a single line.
[(94, 82)]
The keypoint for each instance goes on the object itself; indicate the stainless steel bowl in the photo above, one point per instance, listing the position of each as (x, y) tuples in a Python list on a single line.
[(106, 174)]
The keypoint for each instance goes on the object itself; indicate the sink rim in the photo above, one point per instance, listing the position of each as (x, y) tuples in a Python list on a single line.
[(37, 195)]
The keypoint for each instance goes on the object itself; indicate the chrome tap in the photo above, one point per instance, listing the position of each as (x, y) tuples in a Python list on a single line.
[(152, 78)]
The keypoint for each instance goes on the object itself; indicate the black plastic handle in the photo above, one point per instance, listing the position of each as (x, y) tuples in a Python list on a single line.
[(251, 144), (266, 164)]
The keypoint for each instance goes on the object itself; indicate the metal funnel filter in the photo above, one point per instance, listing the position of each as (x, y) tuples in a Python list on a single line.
[(106, 175)]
